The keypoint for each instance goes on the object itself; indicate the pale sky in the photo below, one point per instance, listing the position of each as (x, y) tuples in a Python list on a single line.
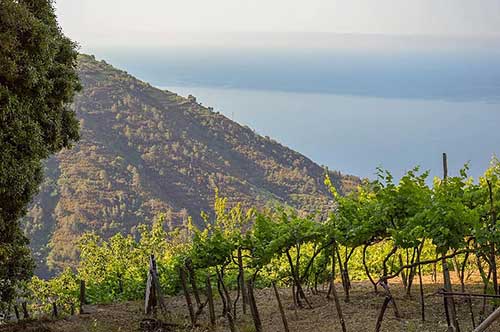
[(98, 23)]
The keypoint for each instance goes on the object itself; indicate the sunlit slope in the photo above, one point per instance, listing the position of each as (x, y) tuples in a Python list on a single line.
[(144, 151)]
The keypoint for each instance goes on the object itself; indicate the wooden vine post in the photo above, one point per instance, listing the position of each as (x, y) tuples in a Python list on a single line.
[(280, 306), (226, 298), (388, 299), (55, 313), (488, 321), (241, 280), (16, 312), (338, 308), (154, 297), (380, 317), (333, 291), (253, 307), (421, 286), (493, 227), (192, 281), (189, 303), (449, 302), (24, 306), (210, 298), (82, 297)]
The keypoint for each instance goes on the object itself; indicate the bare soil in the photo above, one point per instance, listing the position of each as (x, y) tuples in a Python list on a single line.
[(360, 314)]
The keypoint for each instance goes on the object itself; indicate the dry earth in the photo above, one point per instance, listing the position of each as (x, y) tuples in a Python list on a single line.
[(360, 314)]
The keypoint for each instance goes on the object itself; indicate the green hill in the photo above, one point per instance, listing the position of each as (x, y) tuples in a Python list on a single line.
[(144, 151)]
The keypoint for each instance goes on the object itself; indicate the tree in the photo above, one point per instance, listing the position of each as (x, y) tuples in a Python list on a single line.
[(38, 79)]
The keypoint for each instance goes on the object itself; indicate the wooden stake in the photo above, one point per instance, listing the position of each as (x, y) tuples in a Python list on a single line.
[(211, 307), (192, 281), (488, 321), (82, 296), (253, 307), (241, 280), (225, 294), (449, 301), (280, 306), (153, 296), (25, 310), (385, 285), (189, 303), (447, 312), (157, 287), (381, 313), (336, 297), (16, 311), (54, 310), (421, 287), (493, 228), (150, 301), (445, 166), (225, 306)]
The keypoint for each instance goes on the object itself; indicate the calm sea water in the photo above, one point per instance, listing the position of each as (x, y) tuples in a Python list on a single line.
[(355, 134), (349, 111)]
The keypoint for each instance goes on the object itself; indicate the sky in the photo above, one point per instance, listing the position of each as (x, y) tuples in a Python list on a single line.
[(240, 43), (157, 23)]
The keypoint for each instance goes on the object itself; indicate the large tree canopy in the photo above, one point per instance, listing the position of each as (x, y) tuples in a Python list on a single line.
[(38, 79)]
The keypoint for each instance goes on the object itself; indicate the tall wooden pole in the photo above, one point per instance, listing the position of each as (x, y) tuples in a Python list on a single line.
[(445, 166), (449, 301), (335, 295), (421, 287), (493, 227)]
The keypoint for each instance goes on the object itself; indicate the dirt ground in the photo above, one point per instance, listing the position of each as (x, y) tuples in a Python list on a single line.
[(360, 314)]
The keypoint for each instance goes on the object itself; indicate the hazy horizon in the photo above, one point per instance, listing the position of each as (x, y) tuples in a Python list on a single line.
[(416, 65), (280, 23), (445, 75), (359, 109)]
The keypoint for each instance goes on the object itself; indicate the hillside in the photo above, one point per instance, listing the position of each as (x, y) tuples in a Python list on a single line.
[(144, 151)]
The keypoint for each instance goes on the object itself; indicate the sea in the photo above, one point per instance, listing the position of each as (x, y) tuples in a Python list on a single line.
[(349, 111)]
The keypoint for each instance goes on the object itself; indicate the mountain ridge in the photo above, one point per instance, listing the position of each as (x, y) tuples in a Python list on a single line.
[(144, 151)]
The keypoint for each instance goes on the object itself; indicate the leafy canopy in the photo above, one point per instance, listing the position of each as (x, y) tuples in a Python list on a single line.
[(37, 81)]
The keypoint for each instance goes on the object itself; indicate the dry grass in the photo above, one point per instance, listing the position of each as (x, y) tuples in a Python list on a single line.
[(360, 314)]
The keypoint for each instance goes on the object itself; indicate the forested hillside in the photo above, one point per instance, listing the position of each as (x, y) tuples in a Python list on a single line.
[(144, 151)]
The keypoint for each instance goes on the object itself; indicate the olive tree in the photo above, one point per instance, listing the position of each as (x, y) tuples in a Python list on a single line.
[(38, 79)]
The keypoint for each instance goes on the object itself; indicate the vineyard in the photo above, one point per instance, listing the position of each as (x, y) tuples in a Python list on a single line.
[(388, 243)]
